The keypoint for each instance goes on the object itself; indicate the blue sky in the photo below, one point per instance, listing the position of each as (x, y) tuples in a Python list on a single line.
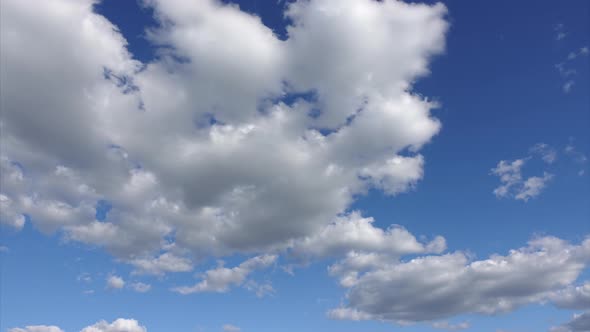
[(214, 166)]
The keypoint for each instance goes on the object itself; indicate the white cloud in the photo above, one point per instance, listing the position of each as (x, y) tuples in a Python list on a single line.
[(559, 31), (222, 278), (565, 70), (533, 186), (166, 262), (438, 287), (230, 328), (352, 232), (119, 325), (514, 185), (190, 148), (115, 282), (546, 152), (37, 328), (140, 287), (444, 325), (567, 86)]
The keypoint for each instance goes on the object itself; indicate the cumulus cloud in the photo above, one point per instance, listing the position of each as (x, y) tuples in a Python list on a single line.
[(230, 328), (119, 325), (579, 323), (166, 262), (436, 287), (352, 232), (37, 328), (200, 146), (444, 325), (513, 184), (115, 282), (573, 297), (222, 278), (140, 287)]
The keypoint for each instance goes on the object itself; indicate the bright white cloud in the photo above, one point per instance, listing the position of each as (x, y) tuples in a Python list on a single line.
[(437, 287), (37, 328), (119, 325), (194, 147), (115, 282), (352, 232), (222, 278)]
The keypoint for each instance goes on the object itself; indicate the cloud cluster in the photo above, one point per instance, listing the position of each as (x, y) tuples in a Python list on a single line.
[(566, 68), (222, 278), (514, 185), (230, 129), (119, 325), (436, 287), (37, 328)]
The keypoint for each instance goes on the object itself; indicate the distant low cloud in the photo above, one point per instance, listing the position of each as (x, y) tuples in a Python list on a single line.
[(230, 328), (444, 325), (119, 325), (566, 67), (115, 282), (140, 287), (36, 328), (437, 287), (559, 30), (221, 279), (513, 184)]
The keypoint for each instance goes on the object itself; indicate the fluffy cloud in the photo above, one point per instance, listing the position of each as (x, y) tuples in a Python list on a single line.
[(437, 287), (451, 327), (119, 325), (573, 297), (197, 147), (222, 278), (514, 185), (115, 282), (37, 328), (166, 262), (353, 233), (140, 287)]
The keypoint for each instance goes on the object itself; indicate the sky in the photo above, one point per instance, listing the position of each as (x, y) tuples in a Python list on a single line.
[(304, 165)]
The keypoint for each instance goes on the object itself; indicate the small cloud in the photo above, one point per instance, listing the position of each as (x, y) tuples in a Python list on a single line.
[(230, 328), (559, 31), (451, 327), (261, 290), (140, 287), (4, 249), (547, 153), (84, 277), (115, 282), (88, 292), (567, 86)]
